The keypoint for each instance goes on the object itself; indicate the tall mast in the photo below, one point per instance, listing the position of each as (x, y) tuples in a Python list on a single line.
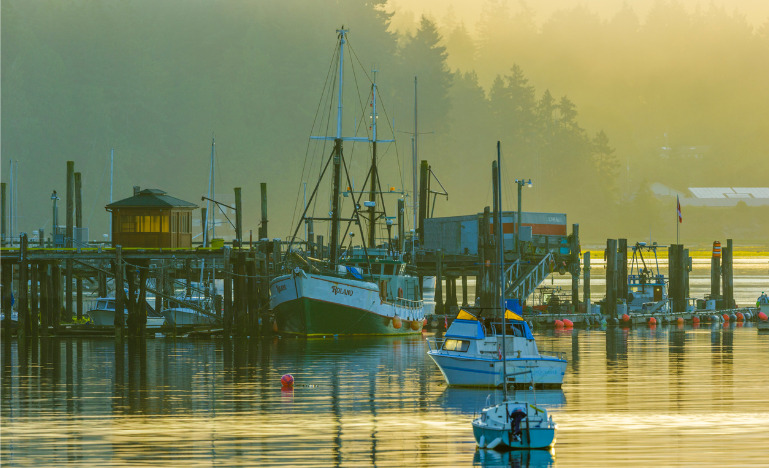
[(414, 171), (337, 156), (500, 246), (111, 168), (211, 191)]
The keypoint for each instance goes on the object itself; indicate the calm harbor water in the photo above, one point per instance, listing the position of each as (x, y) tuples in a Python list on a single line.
[(666, 396), (643, 397)]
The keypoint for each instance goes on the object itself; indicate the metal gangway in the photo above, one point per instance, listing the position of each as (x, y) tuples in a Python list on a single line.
[(520, 284)]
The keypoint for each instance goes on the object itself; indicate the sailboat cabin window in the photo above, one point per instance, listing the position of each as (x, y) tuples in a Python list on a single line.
[(388, 269), (456, 345)]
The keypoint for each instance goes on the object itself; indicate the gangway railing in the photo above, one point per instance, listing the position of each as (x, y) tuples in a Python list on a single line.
[(521, 285)]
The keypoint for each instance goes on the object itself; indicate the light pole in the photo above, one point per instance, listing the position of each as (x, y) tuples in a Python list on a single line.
[(520, 183), (54, 199)]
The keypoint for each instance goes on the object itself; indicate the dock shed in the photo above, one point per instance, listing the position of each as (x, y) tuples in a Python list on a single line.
[(151, 219)]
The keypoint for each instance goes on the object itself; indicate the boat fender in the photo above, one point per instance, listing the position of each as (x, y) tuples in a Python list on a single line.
[(762, 316), (740, 316), (733, 317), (680, 320), (726, 318), (415, 325), (493, 444), (568, 323), (397, 322), (652, 321)]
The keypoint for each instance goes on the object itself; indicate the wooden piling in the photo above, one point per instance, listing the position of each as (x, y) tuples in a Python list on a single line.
[(486, 250), (119, 293), (586, 281), (204, 226), (687, 267), (574, 267), (7, 279), (727, 269), (263, 225), (439, 282), (423, 201), (45, 316), (238, 217), (227, 292), (464, 291), (611, 277), (676, 276), (57, 296), (715, 271), (622, 269), (34, 300), (3, 227)]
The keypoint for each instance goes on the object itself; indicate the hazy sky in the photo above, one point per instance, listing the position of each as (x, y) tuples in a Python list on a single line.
[(756, 11)]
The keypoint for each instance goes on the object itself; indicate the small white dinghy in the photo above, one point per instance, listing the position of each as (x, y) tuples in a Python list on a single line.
[(514, 425)]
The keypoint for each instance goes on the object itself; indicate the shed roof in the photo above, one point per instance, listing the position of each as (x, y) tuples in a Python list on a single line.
[(151, 198)]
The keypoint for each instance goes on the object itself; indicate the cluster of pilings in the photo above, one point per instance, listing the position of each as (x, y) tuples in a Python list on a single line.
[(41, 279), (679, 266)]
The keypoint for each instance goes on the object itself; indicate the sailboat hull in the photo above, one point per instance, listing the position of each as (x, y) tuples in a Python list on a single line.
[(320, 305)]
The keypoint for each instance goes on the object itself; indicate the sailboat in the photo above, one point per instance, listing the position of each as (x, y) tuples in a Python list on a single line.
[(361, 290), (511, 424)]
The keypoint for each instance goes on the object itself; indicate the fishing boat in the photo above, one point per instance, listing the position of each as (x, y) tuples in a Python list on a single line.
[(357, 290), (190, 311), (511, 424), (646, 284), (103, 314)]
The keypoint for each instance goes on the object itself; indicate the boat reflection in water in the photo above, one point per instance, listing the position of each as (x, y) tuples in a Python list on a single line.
[(468, 400), (515, 458)]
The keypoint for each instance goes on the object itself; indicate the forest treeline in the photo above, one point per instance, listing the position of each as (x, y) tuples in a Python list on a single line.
[(592, 111)]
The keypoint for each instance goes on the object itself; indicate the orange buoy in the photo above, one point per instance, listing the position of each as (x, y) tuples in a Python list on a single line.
[(680, 320), (763, 316), (695, 320), (652, 321), (625, 318), (740, 317), (726, 317), (415, 325), (568, 323), (558, 324), (287, 381), (397, 322)]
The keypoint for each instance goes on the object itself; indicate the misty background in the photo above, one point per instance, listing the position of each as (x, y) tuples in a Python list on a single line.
[(593, 108)]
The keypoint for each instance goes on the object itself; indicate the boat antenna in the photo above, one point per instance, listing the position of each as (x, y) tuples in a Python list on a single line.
[(500, 246)]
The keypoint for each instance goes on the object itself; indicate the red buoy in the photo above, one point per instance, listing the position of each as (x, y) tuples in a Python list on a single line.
[(625, 318), (680, 320), (726, 317), (695, 320), (568, 323), (762, 316), (652, 321), (558, 324), (287, 381), (740, 317)]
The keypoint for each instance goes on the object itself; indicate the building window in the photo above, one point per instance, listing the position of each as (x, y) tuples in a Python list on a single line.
[(127, 223)]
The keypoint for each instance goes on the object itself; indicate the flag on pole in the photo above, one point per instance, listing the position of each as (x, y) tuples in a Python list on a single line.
[(678, 203)]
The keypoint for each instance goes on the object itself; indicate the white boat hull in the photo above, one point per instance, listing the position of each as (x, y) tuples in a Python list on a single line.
[(106, 318), (479, 372), (182, 316)]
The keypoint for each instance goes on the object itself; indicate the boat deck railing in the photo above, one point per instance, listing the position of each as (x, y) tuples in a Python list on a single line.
[(402, 302)]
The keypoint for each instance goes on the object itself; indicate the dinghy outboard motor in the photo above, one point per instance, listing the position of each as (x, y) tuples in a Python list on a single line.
[(516, 416)]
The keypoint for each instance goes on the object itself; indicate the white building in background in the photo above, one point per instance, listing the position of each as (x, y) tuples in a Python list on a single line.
[(715, 196)]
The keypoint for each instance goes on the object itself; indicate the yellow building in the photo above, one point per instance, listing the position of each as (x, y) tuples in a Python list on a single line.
[(151, 219)]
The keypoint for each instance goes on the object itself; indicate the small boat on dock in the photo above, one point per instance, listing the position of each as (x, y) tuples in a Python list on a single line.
[(103, 314), (188, 312)]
